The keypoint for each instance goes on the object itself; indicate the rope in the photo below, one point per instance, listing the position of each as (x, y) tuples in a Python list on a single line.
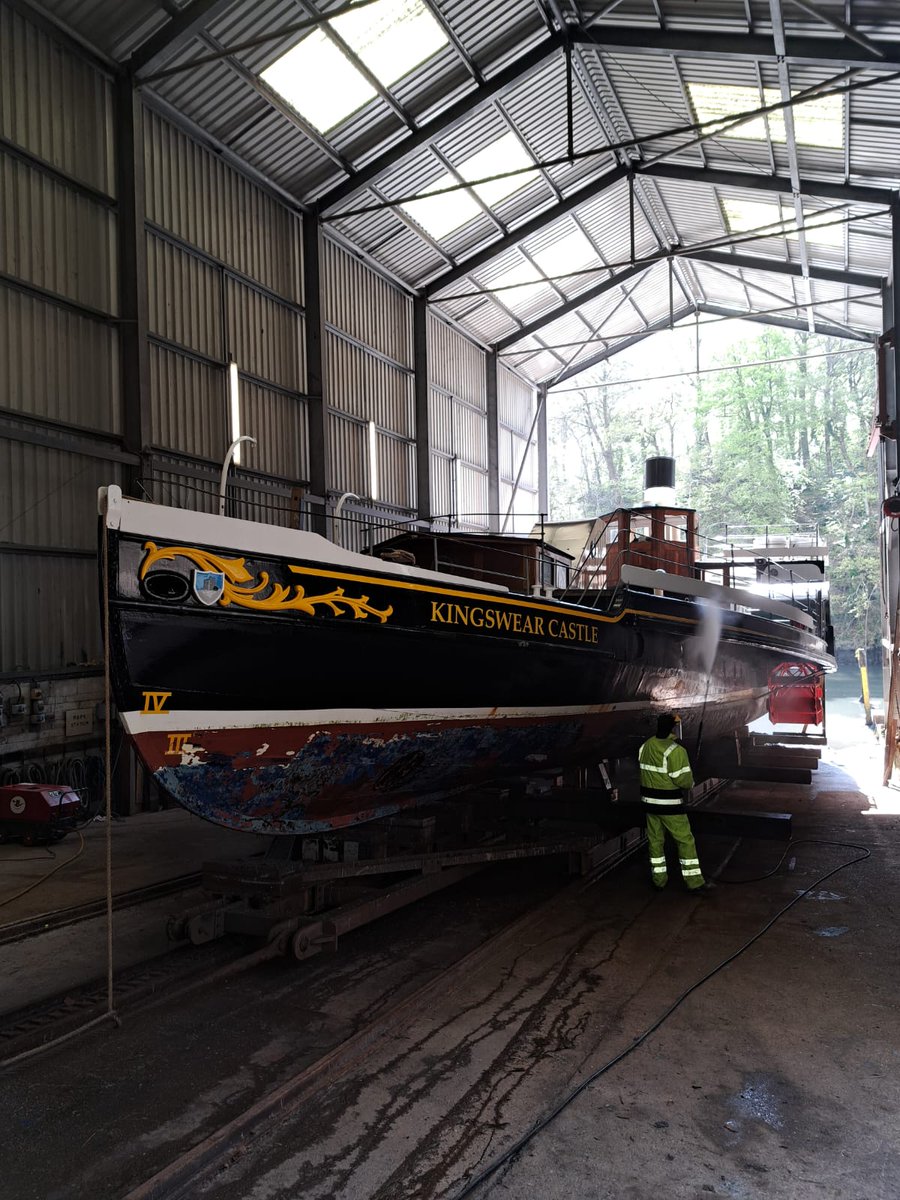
[(107, 783)]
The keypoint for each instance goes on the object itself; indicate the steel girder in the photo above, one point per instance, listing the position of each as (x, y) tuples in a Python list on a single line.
[(705, 175), (716, 177), (782, 322), (721, 258), (840, 52)]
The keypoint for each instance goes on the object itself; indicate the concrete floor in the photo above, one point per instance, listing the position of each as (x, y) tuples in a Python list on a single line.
[(780, 1077), (147, 848)]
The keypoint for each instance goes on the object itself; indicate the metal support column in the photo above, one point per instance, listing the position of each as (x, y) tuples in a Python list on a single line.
[(315, 380), (423, 421), (133, 298), (543, 479), (491, 366), (888, 473)]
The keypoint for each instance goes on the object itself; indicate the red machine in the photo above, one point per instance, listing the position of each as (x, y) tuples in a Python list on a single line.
[(796, 695), (38, 812)]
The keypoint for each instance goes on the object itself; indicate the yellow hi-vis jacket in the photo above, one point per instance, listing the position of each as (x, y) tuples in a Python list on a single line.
[(665, 770)]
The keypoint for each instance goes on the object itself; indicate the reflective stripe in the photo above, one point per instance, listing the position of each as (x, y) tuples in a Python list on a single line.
[(658, 860), (692, 871), (690, 862), (668, 752), (657, 800), (683, 771), (655, 770)]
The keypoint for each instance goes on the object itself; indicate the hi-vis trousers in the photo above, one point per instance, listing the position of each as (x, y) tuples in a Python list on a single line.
[(680, 828)]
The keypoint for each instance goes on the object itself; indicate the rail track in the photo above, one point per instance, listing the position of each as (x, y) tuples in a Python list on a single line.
[(185, 1174), (17, 931)]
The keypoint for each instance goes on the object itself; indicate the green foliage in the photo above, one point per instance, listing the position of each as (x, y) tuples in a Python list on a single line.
[(772, 443)]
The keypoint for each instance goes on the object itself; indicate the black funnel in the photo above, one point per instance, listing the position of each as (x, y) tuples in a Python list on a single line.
[(659, 473)]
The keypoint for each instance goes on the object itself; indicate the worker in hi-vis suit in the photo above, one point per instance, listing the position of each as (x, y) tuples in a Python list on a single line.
[(665, 776)]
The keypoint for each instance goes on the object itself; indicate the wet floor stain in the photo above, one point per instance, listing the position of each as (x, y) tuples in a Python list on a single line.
[(758, 1100), (822, 895), (831, 931)]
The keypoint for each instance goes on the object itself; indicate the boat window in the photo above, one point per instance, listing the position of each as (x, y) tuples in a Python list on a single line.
[(676, 527), (640, 527)]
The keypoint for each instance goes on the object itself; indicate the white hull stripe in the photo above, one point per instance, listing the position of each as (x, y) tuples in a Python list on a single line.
[(183, 719)]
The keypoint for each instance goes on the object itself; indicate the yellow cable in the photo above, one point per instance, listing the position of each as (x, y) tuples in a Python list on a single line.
[(43, 878)]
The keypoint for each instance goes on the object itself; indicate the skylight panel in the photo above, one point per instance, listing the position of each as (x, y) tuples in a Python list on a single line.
[(316, 77), (530, 286), (744, 215), (505, 154), (440, 215), (571, 253), (816, 122), (392, 37), (319, 81)]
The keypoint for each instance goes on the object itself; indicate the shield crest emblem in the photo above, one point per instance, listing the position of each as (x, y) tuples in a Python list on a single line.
[(209, 586)]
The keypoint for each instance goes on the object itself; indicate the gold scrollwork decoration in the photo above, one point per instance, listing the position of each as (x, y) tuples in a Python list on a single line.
[(261, 593)]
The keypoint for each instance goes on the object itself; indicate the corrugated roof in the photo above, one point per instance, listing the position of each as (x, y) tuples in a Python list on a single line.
[(634, 71)]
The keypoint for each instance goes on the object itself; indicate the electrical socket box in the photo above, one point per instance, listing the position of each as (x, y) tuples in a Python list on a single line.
[(37, 718), (16, 709)]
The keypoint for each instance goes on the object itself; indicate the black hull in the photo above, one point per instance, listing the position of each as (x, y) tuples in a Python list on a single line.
[(357, 692)]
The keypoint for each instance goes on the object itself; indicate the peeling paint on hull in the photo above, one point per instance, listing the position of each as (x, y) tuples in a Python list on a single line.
[(309, 779)]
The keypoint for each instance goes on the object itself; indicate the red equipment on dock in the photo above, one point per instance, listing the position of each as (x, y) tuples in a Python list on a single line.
[(796, 695), (38, 812)]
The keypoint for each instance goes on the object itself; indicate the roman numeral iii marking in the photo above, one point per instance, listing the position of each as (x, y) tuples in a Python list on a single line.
[(177, 742), (155, 703)]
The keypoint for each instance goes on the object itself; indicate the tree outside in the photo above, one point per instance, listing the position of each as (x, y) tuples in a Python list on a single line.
[(774, 442)]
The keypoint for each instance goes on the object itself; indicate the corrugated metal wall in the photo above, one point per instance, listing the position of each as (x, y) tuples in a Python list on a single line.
[(224, 272), (368, 370), (516, 406), (457, 404), (60, 402), (224, 277)]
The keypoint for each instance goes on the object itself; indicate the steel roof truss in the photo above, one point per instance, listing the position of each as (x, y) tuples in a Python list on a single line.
[(699, 43)]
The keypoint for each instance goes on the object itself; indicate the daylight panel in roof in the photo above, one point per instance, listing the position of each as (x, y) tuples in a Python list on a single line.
[(331, 72), (570, 253)]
